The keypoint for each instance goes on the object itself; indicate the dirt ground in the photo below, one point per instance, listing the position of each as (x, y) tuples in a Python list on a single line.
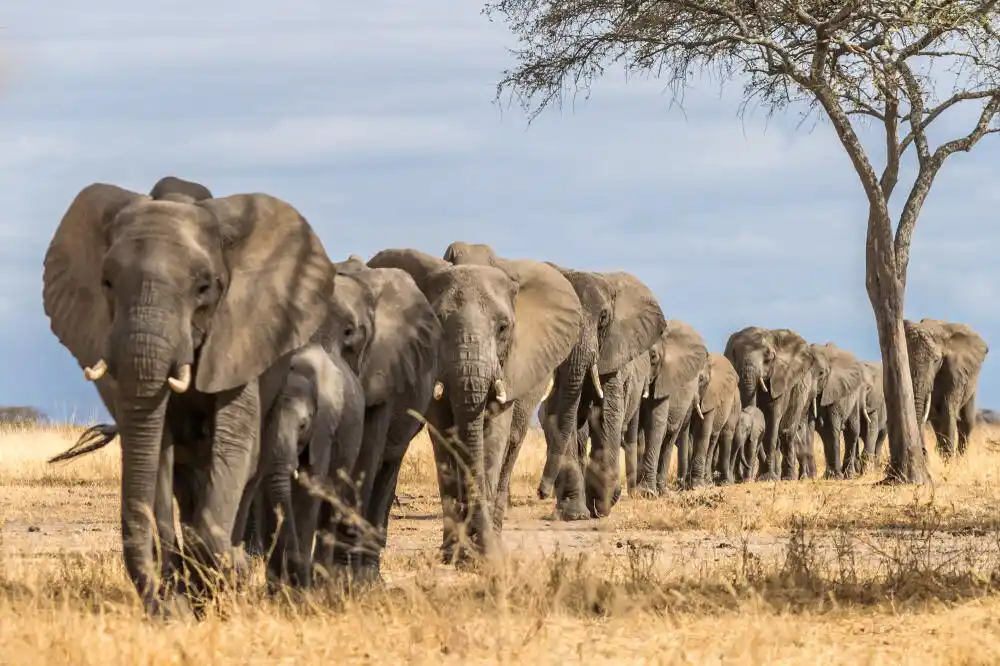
[(835, 561)]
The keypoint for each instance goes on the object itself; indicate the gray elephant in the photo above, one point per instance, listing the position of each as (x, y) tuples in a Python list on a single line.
[(460, 253), (776, 368), (621, 320), (315, 426), (839, 406), (175, 310), (747, 438), (681, 372), (874, 425), (505, 329), (945, 360), (713, 425)]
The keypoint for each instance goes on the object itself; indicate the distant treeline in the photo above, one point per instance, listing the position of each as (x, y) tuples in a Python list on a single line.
[(22, 415)]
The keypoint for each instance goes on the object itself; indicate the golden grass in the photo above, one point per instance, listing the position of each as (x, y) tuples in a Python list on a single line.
[(813, 573)]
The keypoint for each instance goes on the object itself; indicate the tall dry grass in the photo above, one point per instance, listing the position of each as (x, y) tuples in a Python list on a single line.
[(813, 572)]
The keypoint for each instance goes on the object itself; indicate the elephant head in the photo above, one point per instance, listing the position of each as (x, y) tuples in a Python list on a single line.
[(153, 298), (945, 356), (838, 374), (767, 360), (679, 357), (504, 330), (172, 186), (384, 327), (874, 392)]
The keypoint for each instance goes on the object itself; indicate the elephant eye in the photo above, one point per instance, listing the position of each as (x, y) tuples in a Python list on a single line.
[(502, 328), (106, 283)]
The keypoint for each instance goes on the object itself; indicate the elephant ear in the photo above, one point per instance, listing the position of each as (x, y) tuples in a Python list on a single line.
[(792, 357), (419, 265), (846, 376), (280, 280), (724, 383), (966, 351), (71, 293), (682, 355), (547, 321), (404, 344), (637, 322), (479, 254)]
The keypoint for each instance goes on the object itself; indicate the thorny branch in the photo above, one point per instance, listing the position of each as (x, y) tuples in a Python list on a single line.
[(858, 60)]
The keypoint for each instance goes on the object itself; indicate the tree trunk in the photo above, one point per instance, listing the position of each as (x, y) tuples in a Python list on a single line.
[(908, 463)]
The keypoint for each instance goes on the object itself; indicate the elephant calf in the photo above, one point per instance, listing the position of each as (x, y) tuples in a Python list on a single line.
[(315, 425), (747, 442)]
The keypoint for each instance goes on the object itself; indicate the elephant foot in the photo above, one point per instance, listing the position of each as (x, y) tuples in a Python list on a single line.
[(570, 511), (645, 492), (768, 476), (723, 481), (832, 476), (544, 490)]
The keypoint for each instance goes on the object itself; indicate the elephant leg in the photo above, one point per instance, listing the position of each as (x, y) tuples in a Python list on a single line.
[(852, 434), (235, 441), (681, 439), (655, 436), (519, 423), (377, 513), (769, 470), (701, 433), (727, 463), (829, 432), (603, 478), (880, 438), (631, 444), (966, 423), (804, 452)]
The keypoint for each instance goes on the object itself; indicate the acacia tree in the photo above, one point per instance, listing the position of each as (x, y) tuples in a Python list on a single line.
[(872, 62)]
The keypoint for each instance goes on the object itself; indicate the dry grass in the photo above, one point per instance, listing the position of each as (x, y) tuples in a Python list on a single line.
[(813, 573)]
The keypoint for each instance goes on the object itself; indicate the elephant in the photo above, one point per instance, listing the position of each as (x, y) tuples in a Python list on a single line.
[(713, 424), (479, 254), (945, 361), (637, 375), (838, 406), (747, 438), (505, 328), (681, 373), (874, 428), (621, 320), (177, 310), (315, 425), (776, 369), (172, 185)]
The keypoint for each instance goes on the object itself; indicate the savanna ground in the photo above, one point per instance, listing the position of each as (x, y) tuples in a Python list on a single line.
[(771, 573)]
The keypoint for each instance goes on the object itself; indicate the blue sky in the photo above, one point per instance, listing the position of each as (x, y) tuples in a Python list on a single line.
[(377, 121)]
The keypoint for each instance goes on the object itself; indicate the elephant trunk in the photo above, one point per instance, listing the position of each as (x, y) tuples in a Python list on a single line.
[(473, 374), (561, 449), (281, 440), (751, 380)]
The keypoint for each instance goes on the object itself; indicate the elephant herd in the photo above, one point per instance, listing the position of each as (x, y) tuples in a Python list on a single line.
[(273, 392)]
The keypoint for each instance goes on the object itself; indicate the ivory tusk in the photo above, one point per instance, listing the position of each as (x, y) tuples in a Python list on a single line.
[(815, 405), (645, 391), (763, 386), (596, 378), (548, 389), (697, 407), (927, 410), (182, 381), (438, 390), (96, 371), (500, 390), (864, 412)]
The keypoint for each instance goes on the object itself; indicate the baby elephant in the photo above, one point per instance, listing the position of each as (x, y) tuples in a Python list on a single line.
[(746, 442), (315, 425)]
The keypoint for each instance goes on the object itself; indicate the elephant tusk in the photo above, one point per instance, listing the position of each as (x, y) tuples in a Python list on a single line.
[(182, 381), (548, 389), (763, 386), (927, 411), (96, 371), (500, 390), (864, 412), (438, 390), (596, 378), (645, 391), (697, 407), (815, 406)]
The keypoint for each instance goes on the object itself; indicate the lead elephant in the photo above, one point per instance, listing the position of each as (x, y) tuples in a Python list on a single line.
[(839, 407), (505, 329), (945, 360), (681, 372), (172, 185), (775, 368), (176, 310)]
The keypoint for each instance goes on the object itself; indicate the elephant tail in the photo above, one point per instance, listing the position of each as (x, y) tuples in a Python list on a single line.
[(93, 438)]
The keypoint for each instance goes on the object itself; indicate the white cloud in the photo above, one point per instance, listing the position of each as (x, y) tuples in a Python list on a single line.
[(298, 140)]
